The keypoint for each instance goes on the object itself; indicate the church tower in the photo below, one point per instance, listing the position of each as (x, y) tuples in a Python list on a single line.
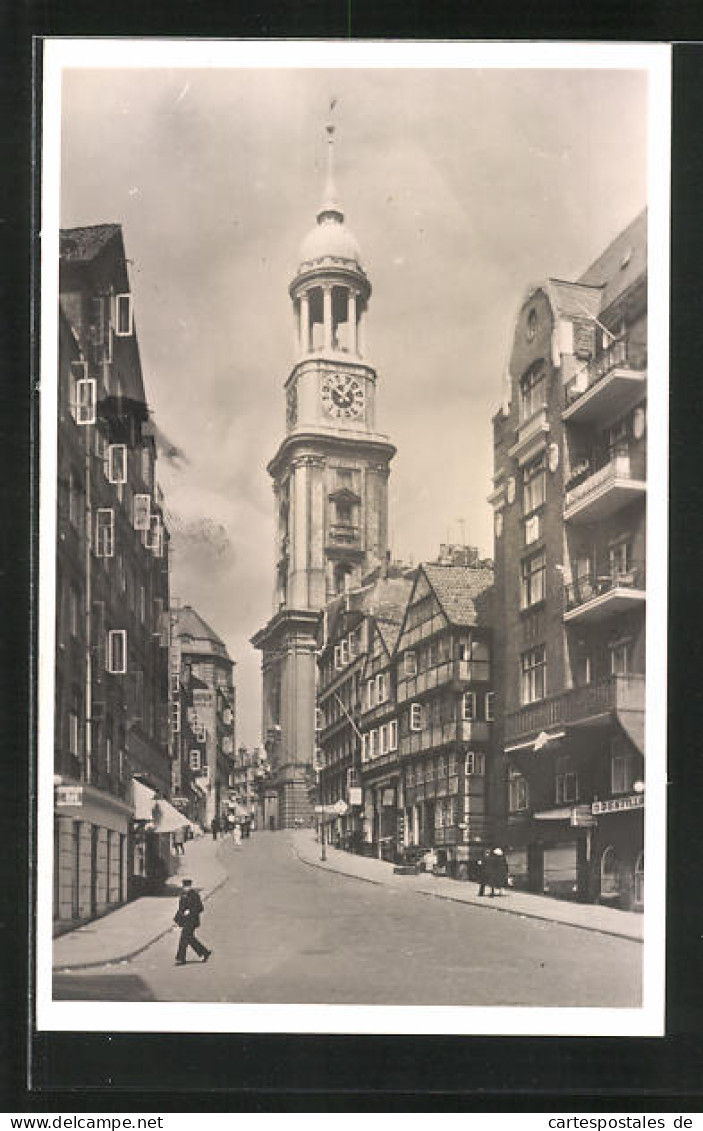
[(330, 482)]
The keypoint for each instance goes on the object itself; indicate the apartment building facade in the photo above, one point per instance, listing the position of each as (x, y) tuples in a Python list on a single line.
[(111, 673), (570, 509)]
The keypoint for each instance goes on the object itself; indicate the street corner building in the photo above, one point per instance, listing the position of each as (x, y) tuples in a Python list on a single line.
[(569, 500), (112, 591), (406, 708), (203, 705), (330, 478)]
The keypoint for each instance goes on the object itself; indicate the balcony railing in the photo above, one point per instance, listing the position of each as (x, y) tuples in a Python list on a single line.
[(592, 585), (342, 534), (592, 495), (619, 355), (577, 705), (447, 672)]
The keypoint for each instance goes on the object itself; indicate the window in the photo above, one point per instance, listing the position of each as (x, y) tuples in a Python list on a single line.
[(117, 651), (416, 716), (619, 560), (381, 690), (370, 694), (364, 747), (533, 388), (393, 734), (146, 467), (319, 719), (566, 783), (78, 372), (124, 318), (620, 657), (518, 795), (490, 706), (105, 533), (468, 706), (353, 644), (533, 674), (533, 579), (410, 664), (531, 529), (194, 759), (337, 657), (85, 400), (344, 652), (383, 739), (374, 743), (74, 723), (475, 763), (609, 872), (142, 512), (117, 463), (74, 602), (155, 538), (622, 773), (175, 684), (534, 484)]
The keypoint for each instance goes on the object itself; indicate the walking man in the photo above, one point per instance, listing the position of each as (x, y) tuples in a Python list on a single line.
[(178, 841), (190, 907)]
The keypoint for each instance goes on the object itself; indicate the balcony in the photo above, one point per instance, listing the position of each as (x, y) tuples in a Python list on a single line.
[(620, 695), (608, 386), (341, 535), (531, 436), (594, 597), (450, 671), (601, 493)]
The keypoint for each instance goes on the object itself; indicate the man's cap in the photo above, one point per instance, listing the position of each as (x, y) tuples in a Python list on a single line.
[(186, 883)]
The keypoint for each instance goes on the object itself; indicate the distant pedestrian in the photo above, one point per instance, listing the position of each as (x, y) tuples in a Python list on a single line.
[(482, 871), (500, 869), (237, 835), (190, 908), (178, 841), (215, 828)]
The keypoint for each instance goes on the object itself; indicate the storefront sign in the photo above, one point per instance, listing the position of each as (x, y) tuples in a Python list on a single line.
[(582, 817), (69, 795), (356, 794), (617, 804)]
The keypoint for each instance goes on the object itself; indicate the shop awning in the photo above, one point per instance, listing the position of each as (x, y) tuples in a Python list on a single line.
[(143, 799), (167, 819)]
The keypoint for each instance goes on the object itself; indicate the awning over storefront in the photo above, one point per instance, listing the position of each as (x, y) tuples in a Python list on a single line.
[(167, 819), (143, 799), (158, 814)]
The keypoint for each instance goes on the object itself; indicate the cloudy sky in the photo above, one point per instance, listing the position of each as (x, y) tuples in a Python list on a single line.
[(462, 187)]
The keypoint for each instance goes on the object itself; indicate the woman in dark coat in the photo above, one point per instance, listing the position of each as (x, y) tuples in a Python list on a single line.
[(497, 871)]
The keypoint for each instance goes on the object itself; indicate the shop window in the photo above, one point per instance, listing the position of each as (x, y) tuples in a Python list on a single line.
[(533, 574), (533, 684), (416, 716)]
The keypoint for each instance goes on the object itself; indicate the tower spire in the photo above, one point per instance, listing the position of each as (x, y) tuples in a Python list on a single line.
[(330, 206)]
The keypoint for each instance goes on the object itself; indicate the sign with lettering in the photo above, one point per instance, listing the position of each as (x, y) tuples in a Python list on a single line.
[(69, 795), (618, 804), (582, 817), (355, 795)]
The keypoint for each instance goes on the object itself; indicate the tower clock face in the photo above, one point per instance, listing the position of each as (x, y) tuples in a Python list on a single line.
[(343, 395)]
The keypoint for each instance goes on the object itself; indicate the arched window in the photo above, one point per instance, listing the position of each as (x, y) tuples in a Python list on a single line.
[(609, 872)]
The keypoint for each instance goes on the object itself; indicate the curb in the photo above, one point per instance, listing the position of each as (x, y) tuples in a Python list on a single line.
[(470, 903), (64, 968)]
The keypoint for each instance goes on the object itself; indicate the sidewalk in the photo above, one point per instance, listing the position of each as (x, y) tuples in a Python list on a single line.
[(587, 916), (130, 929)]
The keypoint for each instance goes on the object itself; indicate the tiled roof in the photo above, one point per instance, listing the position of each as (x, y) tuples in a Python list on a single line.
[(82, 244), (463, 592), (204, 639), (574, 300), (622, 263)]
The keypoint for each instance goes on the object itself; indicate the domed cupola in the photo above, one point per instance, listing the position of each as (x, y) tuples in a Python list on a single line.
[(330, 290)]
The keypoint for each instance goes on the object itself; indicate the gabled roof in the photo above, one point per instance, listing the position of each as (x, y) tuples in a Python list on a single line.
[(389, 631), (80, 245), (622, 263), (203, 639), (463, 593)]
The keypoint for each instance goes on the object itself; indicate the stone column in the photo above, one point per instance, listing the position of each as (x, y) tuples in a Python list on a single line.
[(351, 320), (305, 323), (327, 317)]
